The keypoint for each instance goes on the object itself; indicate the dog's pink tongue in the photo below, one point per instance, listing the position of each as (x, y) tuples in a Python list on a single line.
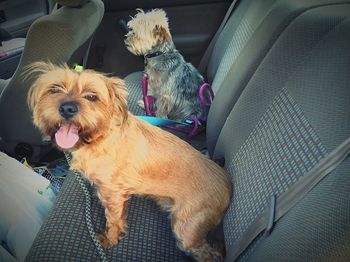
[(67, 136)]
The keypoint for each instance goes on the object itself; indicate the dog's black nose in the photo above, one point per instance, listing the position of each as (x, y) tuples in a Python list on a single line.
[(124, 26), (68, 110)]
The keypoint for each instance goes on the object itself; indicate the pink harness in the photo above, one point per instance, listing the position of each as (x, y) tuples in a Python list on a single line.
[(191, 126)]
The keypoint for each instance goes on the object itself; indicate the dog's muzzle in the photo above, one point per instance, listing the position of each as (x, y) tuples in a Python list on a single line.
[(124, 27), (68, 110)]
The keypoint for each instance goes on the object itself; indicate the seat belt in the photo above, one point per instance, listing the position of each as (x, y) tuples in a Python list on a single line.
[(205, 59), (87, 51), (281, 204)]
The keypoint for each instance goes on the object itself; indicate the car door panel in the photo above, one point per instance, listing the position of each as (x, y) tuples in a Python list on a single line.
[(18, 15)]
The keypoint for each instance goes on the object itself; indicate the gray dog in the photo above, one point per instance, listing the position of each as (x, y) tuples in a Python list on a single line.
[(171, 80)]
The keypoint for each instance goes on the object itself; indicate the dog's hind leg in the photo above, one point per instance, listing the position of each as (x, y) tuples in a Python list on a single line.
[(191, 230)]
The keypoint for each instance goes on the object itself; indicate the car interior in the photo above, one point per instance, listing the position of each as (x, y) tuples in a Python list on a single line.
[(279, 123)]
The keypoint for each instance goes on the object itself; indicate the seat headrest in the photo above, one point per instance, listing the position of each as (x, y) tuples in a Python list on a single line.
[(71, 3)]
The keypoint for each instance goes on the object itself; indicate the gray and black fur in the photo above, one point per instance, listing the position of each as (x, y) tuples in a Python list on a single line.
[(174, 83), (171, 80)]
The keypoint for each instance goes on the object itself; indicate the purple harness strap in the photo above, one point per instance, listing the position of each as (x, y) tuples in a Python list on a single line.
[(149, 102)]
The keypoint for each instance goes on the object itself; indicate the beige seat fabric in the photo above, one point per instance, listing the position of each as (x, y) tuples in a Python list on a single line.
[(52, 38)]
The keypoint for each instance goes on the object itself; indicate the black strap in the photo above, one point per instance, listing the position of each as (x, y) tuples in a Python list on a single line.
[(158, 53), (284, 202), (205, 59)]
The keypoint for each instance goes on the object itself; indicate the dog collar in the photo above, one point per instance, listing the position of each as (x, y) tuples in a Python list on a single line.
[(158, 53)]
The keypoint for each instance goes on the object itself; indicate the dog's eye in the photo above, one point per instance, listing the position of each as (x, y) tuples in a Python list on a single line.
[(91, 98), (55, 89)]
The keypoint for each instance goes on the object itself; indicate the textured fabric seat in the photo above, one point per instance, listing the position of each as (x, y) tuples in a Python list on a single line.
[(276, 18), (54, 37), (133, 85), (149, 237), (292, 111)]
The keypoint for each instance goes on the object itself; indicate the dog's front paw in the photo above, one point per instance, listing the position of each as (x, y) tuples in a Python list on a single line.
[(105, 241), (109, 240), (141, 104)]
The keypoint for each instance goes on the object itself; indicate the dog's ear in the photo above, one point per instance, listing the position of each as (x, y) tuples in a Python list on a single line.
[(31, 73), (162, 33), (118, 95), (32, 98)]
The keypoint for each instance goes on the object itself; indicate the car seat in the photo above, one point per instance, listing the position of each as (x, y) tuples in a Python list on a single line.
[(232, 39), (293, 110), (54, 37)]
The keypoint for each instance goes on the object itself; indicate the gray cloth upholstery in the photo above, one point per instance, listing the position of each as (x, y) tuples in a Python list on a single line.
[(51, 38), (286, 108), (220, 47), (250, 56), (234, 37), (227, 56), (133, 83), (283, 125), (64, 237), (293, 110)]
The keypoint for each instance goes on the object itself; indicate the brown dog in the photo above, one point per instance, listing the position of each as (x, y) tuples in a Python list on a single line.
[(86, 114)]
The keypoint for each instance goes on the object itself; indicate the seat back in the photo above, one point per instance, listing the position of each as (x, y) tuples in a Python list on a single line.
[(276, 15), (54, 37), (293, 110), (244, 20)]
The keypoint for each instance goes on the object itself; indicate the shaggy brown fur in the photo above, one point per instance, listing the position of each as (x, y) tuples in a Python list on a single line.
[(123, 155)]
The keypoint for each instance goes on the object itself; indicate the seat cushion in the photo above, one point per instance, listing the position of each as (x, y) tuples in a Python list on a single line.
[(64, 235), (293, 111), (133, 83)]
